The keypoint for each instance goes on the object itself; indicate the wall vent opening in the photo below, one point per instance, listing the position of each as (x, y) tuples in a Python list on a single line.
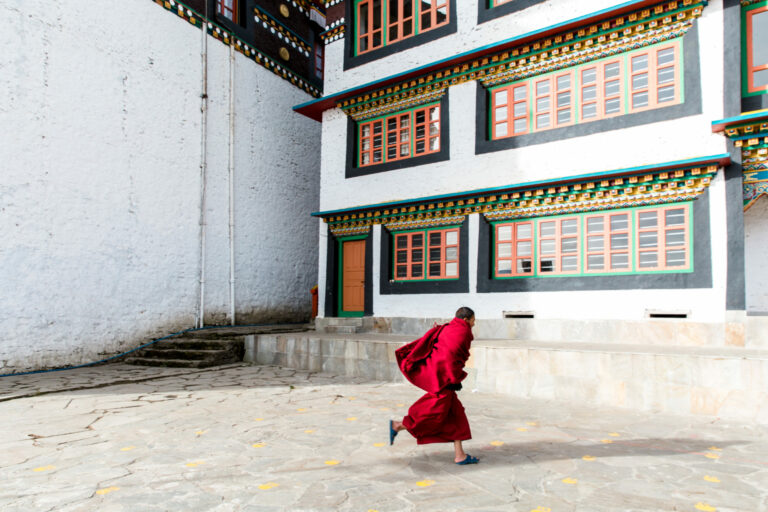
[(518, 314), (667, 314)]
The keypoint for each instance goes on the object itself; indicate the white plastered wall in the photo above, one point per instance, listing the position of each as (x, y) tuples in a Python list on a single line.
[(671, 140), (100, 183), (755, 250)]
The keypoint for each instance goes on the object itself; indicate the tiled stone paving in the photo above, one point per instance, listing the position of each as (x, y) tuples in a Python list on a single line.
[(258, 438)]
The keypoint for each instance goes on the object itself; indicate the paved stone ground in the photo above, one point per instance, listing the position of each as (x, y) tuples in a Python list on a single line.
[(258, 438)]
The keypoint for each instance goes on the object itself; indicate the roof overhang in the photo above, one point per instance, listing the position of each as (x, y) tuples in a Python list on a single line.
[(314, 109), (749, 118)]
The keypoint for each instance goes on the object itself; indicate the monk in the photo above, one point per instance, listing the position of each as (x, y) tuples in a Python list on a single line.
[(435, 363)]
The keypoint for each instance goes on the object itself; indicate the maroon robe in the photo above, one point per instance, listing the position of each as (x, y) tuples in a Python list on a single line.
[(433, 362)]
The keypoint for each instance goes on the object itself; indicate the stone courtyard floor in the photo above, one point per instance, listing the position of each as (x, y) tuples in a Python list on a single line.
[(259, 438)]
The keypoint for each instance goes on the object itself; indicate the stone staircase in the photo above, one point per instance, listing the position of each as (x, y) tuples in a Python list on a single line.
[(204, 348)]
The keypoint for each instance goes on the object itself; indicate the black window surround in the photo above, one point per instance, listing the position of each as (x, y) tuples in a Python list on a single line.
[(486, 13), (351, 60), (388, 285), (691, 106), (352, 148)]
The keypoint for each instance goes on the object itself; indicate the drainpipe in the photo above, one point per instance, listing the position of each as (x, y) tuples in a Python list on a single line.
[(232, 181), (203, 162)]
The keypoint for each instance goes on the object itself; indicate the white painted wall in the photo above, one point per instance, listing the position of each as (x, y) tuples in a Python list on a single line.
[(100, 183), (677, 139), (755, 249)]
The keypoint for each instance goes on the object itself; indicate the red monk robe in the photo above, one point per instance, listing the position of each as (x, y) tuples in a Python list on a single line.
[(432, 362)]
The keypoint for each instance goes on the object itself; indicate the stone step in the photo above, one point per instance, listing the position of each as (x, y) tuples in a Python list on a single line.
[(174, 363), (172, 353), (199, 344), (341, 329)]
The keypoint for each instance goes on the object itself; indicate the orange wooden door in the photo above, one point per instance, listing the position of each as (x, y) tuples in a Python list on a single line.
[(353, 276)]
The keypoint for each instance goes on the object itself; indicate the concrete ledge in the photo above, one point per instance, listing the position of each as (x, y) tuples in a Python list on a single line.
[(725, 382)]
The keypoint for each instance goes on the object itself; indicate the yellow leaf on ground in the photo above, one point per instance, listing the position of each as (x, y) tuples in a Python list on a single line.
[(351, 418), (258, 419), (541, 509), (614, 434), (127, 448), (532, 424), (107, 490), (715, 449), (379, 445), (44, 468), (259, 445), (309, 431), (712, 455), (606, 441), (425, 483), (522, 429), (712, 479), (571, 481), (705, 507), (497, 443), (194, 464), (589, 458), (332, 462), (200, 432), (300, 409), (268, 486)]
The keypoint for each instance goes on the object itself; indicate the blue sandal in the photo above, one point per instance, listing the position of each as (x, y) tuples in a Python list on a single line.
[(392, 433), (469, 460)]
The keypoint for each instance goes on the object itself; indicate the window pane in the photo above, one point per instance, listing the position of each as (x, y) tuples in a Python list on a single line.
[(416, 271), (620, 242), (435, 254), (451, 238), (500, 97), (760, 78), (589, 110), (524, 230), (665, 75), (520, 125), (366, 158), (524, 266), (501, 130), (640, 81), (452, 269), (640, 99), (619, 222), (595, 225), (542, 103), (417, 256), (666, 94), (504, 233), (595, 262), (547, 247), (547, 228), (377, 127), (563, 99), (639, 63), (434, 113), (648, 239), (434, 129), (420, 145), (420, 116), (505, 267), (569, 263), (402, 271), (501, 113), (620, 260), (452, 253), (563, 116), (595, 243), (611, 70), (569, 226), (588, 75), (377, 155), (675, 237), (402, 256), (542, 87), (675, 217), (589, 93), (435, 238), (569, 245), (563, 82), (426, 18), (542, 121), (676, 258), (504, 251), (520, 109), (612, 106), (523, 248), (547, 266), (612, 88), (417, 240), (647, 219), (366, 144), (520, 93), (648, 259), (760, 38), (434, 269), (665, 56), (434, 144)]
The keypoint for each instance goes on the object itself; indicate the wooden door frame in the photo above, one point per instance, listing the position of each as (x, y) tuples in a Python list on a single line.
[(340, 284)]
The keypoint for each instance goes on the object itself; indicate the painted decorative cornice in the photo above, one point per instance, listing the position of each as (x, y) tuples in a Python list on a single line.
[(616, 35), (282, 32), (403, 224), (395, 106), (334, 31), (747, 3), (596, 194), (228, 38), (339, 230)]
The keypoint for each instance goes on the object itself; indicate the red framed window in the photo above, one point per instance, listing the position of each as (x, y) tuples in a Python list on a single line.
[(381, 22), (509, 109), (662, 239), (600, 91), (553, 100), (371, 142), (400, 136), (227, 8), (654, 78), (514, 249), (607, 248), (757, 49), (319, 58), (423, 255), (558, 246)]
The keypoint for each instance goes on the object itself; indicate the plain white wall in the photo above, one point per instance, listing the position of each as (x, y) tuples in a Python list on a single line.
[(100, 183), (755, 249)]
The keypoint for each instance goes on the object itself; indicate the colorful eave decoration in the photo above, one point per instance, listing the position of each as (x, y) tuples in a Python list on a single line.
[(671, 182), (230, 39), (597, 36), (749, 132)]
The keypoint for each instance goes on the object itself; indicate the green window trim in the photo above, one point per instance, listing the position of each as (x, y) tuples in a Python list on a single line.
[(582, 216), (425, 261), (745, 71), (340, 278)]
